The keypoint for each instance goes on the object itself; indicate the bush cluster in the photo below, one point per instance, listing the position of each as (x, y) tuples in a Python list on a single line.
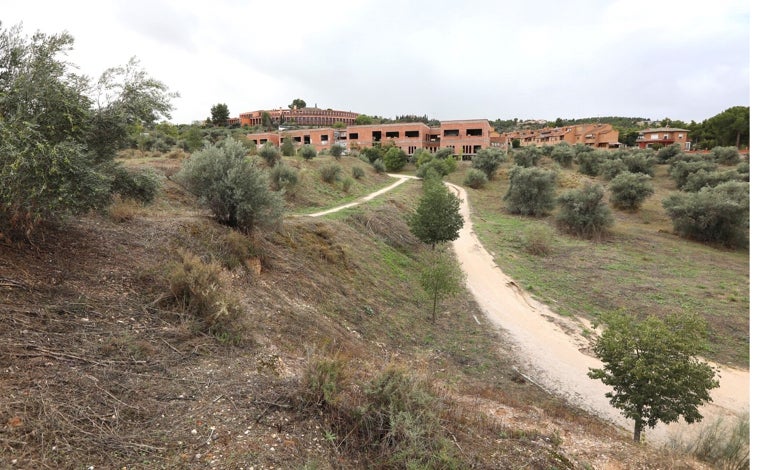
[(629, 190), (475, 178)]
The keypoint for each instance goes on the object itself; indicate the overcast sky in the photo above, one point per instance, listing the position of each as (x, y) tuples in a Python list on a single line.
[(683, 59)]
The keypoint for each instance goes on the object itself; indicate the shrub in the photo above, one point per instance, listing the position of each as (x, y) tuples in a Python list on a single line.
[(270, 154), (743, 168), (141, 186), (122, 210), (703, 178), (378, 165), (440, 167), (308, 152), (668, 153), (395, 159), (197, 288), (726, 445), (228, 183), (726, 155), (610, 169), (475, 178), (488, 161), (563, 154), (583, 212), (444, 153), (639, 162), (527, 156), (531, 191), (347, 183), (322, 381), (329, 173), (421, 156), (42, 182), (629, 190), (538, 240), (287, 148), (336, 151), (358, 172), (372, 153), (681, 170), (589, 162), (283, 177), (719, 214)]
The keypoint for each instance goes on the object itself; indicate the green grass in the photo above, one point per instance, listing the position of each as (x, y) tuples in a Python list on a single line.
[(642, 267)]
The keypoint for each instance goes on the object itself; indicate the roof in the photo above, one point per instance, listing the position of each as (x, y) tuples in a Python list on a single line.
[(664, 129)]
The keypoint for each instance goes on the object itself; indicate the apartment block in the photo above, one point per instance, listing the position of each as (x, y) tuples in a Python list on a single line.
[(465, 137)]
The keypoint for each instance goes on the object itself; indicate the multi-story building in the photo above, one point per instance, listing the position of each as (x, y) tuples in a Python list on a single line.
[(464, 137), (296, 116), (663, 136), (594, 135)]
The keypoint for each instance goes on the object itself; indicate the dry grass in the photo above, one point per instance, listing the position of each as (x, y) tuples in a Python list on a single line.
[(102, 370)]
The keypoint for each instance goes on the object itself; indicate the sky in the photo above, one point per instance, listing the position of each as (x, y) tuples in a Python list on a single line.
[(681, 59)]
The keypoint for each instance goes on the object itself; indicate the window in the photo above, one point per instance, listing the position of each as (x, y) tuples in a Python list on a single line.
[(474, 132), (653, 136), (681, 136), (324, 137), (392, 134), (451, 133), (353, 136), (411, 133)]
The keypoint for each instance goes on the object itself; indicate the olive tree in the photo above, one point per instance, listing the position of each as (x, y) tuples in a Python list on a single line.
[(488, 160), (227, 181), (531, 191), (583, 211), (653, 368), (629, 190), (720, 214)]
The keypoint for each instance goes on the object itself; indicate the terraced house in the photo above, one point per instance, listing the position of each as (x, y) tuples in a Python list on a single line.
[(594, 135)]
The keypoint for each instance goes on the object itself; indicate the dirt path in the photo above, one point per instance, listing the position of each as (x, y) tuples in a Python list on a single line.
[(552, 348), (401, 179)]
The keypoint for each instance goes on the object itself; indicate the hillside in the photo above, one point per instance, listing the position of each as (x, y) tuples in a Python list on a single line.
[(333, 362)]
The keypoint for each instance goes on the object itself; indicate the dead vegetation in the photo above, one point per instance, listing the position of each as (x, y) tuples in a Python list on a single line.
[(111, 360)]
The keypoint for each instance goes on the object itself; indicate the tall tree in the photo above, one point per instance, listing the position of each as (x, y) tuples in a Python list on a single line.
[(730, 127), (219, 114), (297, 103), (437, 218), (653, 368)]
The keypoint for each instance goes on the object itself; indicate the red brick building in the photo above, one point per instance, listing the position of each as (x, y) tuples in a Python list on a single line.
[(297, 117), (594, 135), (664, 136), (465, 137)]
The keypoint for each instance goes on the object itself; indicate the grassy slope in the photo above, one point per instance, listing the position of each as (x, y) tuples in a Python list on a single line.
[(106, 371), (641, 268)]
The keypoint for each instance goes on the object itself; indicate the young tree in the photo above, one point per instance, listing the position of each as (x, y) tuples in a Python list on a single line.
[(531, 191), (440, 277), (653, 368), (288, 147), (308, 152), (336, 151), (219, 114), (527, 156), (437, 218), (225, 179)]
